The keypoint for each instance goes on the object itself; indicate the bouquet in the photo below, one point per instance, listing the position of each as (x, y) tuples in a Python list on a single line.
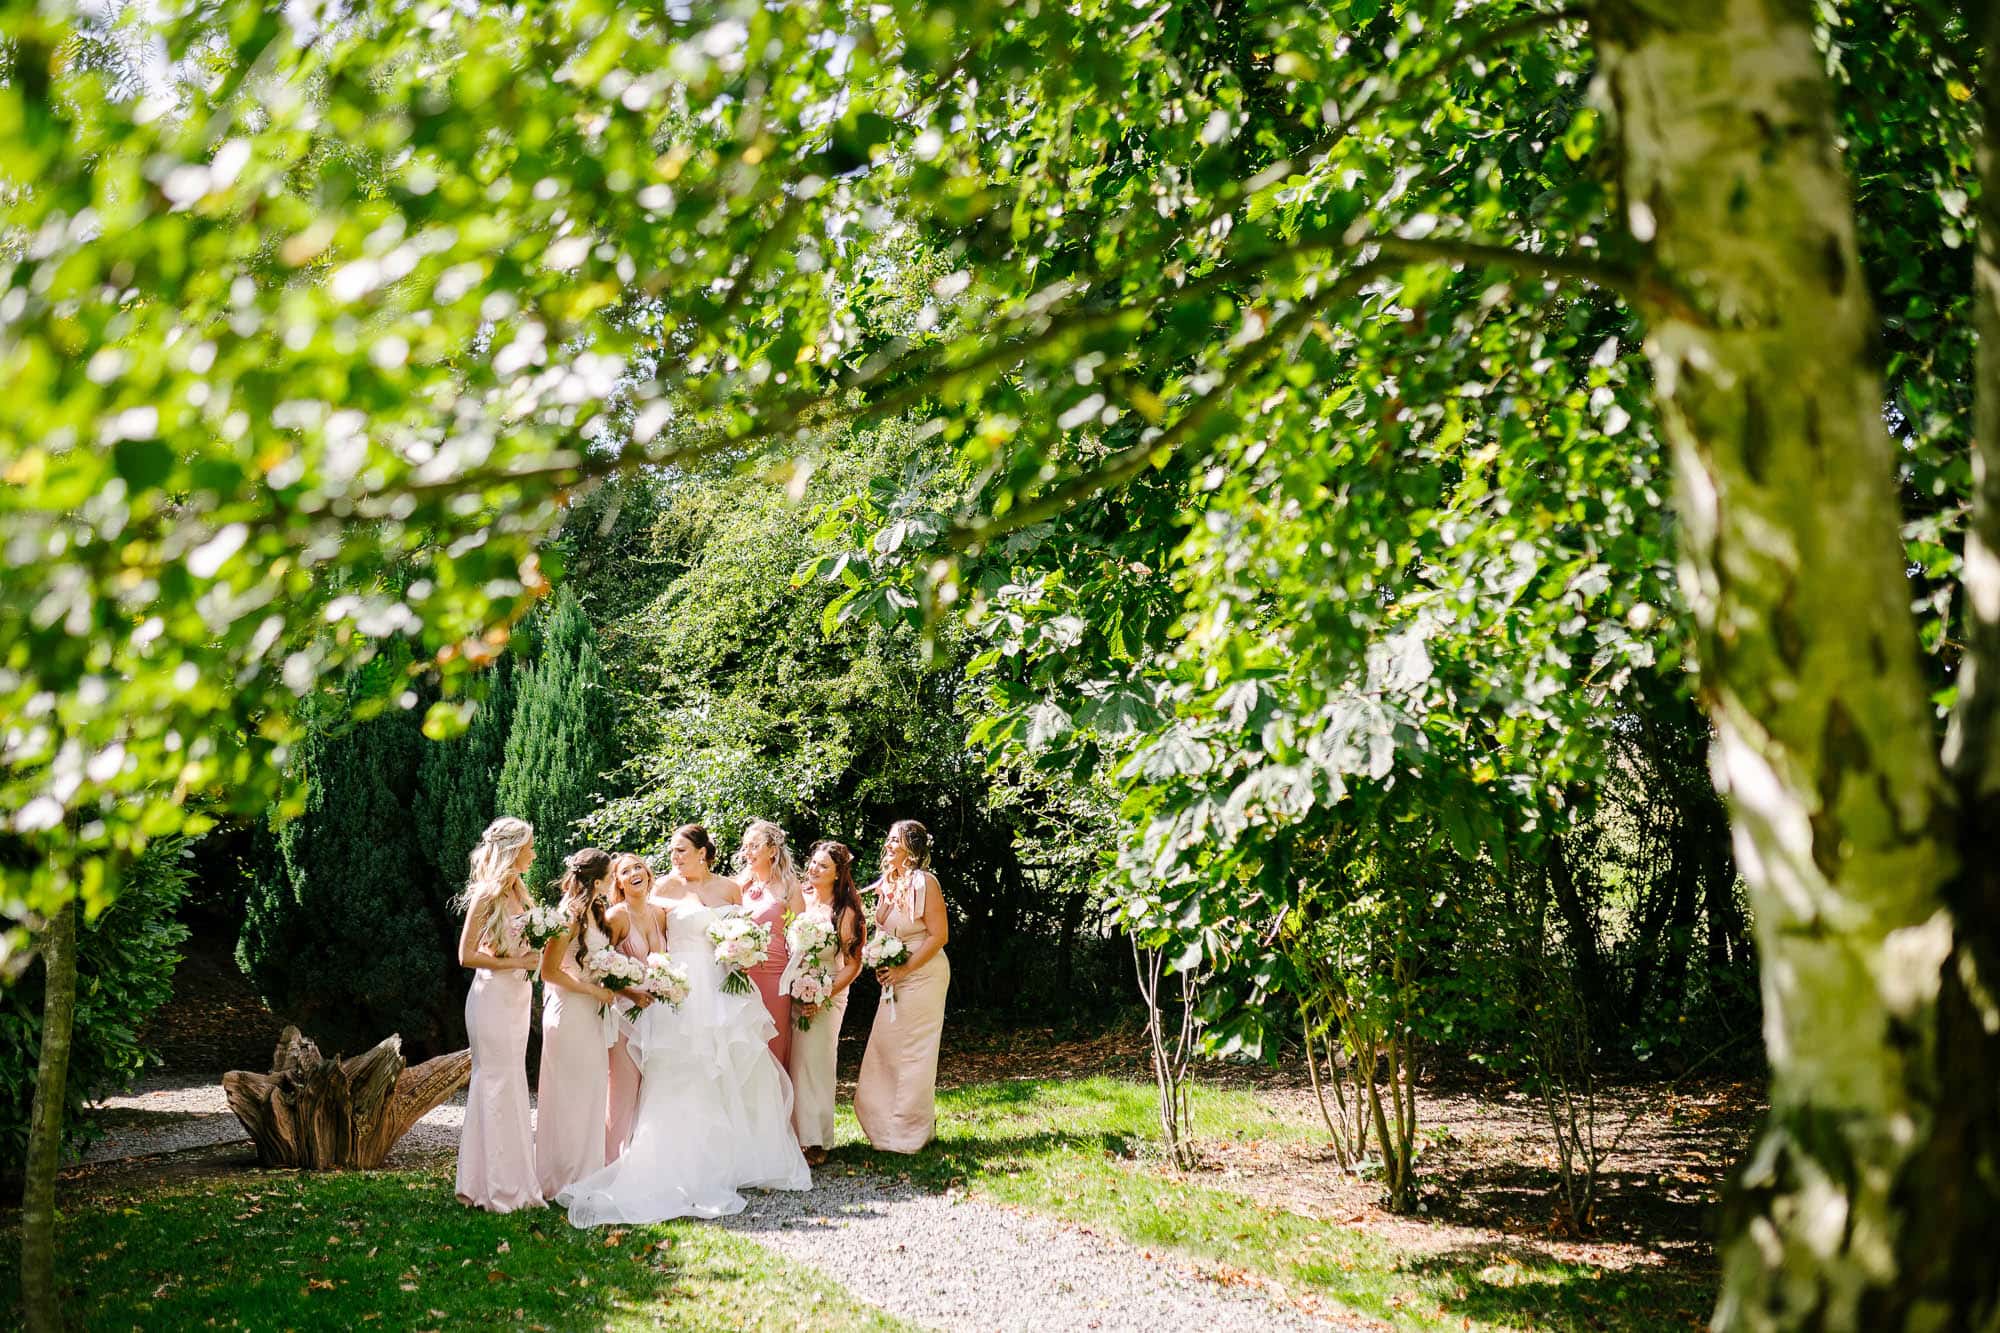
[(666, 980), (740, 944), (809, 937), (885, 950), (615, 971), (809, 986), (541, 923)]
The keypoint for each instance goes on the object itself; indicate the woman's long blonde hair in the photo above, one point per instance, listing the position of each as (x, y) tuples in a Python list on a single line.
[(491, 865), (763, 833)]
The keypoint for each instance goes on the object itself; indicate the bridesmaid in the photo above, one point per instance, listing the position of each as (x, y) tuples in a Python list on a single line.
[(895, 1098), (496, 1150), (829, 894), (572, 1094), (770, 890), (636, 930)]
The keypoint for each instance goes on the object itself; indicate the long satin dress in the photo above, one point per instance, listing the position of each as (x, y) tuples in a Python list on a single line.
[(896, 1097), (572, 1093), (770, 911), (814, 1062), (622, 1093), (496, 1148)]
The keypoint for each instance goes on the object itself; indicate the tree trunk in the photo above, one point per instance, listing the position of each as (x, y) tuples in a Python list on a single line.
[(317, 1113), (38, 1195), (1870, 1198)]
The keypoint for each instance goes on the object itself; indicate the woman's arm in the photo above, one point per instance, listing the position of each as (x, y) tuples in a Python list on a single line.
[(471, 955), (555, 971), (850, 964), (936, 925)]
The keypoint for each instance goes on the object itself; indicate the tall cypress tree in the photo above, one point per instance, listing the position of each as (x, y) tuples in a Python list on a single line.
[(458, 782), (561, 741), (342, 922)]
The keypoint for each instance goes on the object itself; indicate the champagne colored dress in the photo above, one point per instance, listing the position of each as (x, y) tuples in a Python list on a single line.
[(573, 1091), (895, 1099), (761, 906), (496, 1148), (813, 1063), (622, 1097)]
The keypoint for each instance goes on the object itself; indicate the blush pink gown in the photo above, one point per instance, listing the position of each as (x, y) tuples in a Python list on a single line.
[(622, 1093), (770, 911), (571, 1095), (496, 1148), (895, 1097)]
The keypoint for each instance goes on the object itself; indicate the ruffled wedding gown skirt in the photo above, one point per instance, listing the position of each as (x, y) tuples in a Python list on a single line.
[(715, 1109)]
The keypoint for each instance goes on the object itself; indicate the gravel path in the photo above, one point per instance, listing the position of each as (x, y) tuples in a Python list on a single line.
[(949, 1262)]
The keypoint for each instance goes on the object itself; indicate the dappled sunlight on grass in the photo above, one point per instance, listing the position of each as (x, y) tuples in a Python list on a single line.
[(393, 1250), (1088, 1151)]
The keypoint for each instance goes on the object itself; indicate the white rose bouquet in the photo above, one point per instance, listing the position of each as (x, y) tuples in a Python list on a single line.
[(810, 937), (666, 980), (885, 950), (740, 944), (541, 923)]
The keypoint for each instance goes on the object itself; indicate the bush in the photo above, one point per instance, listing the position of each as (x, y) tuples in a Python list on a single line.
[(125, 968)]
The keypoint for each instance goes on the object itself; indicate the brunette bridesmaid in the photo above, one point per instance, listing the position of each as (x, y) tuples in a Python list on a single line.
[(895, 1099), (828, 894), (636, 930), (770, 890), (572, 1094), (496, 1149)]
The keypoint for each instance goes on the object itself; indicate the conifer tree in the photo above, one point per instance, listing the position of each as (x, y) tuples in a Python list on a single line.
[(341, 926), (458, 782), (561, 743)]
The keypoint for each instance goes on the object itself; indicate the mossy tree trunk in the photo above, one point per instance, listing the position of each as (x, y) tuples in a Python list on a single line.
[(1870, 1199), (38, 1195)]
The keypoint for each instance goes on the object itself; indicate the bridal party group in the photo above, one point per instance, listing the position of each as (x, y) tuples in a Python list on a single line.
[(690, 1019)]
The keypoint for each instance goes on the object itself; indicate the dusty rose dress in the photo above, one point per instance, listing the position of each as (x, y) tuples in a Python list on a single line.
[(622, 1093), (571, 1095), (813, 1063), (895, 1099), (496, 1149), (770, 911)]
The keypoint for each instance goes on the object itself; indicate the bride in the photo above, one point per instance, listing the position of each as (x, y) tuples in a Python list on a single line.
[(715, 1109)]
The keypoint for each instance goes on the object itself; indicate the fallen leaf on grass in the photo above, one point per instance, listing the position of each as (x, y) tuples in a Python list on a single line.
[(318, 1284)]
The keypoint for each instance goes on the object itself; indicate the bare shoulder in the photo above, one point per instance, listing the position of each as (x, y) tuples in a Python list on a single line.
[(930, 883)]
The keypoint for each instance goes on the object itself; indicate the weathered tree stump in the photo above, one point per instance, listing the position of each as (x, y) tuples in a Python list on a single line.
[(320, 1113)]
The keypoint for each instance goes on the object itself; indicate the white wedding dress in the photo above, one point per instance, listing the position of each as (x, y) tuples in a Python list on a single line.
[(715, 1110)]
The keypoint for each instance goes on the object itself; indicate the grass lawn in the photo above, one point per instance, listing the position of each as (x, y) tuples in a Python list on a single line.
[(1086, 1150), (393, 1250)]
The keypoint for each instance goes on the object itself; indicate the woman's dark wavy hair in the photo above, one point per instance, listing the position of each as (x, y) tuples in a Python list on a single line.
[(584, 872), (847, 908)]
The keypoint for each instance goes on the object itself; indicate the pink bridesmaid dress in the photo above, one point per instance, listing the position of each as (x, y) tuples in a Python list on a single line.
[(815, 1060), (895, 1098), (770, 911), (496, 1148), (573, 1091), (623, 1093)]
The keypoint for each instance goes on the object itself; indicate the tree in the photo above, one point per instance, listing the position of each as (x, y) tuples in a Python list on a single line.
[(458, 781), (342, 928), (560, 742)]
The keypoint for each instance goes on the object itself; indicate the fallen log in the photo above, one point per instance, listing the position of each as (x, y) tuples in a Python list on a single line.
[(325, 1113)]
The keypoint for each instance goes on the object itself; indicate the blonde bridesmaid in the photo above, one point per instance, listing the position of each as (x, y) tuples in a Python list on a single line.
[(636, 931), (572, 1094), (770, 884), (829, 894), (496, 1149), (895, 1100)]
